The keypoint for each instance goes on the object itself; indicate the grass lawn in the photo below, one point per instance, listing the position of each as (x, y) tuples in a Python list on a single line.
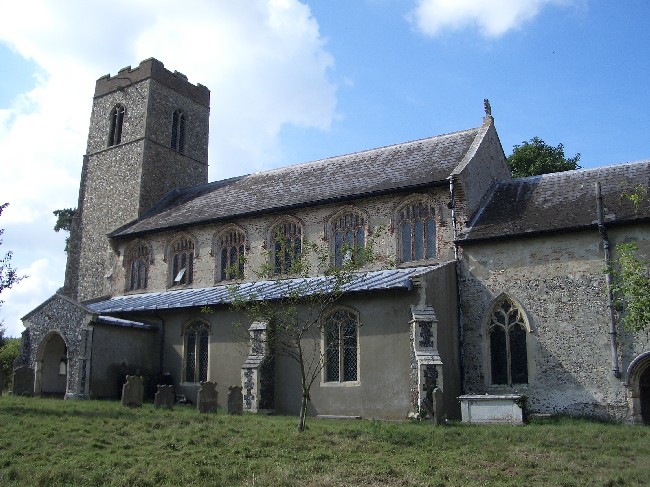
[(52, 442)]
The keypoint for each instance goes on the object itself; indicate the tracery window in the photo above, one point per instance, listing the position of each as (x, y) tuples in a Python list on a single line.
[(417, 230), (178, 131), (341, 346), (348, 233), (138, 267), (286, 246), (230, 251), (507, 333), (182, 261), (117, 122), (196, 339)]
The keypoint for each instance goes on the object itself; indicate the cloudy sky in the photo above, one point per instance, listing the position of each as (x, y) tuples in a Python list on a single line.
[(296, 81)]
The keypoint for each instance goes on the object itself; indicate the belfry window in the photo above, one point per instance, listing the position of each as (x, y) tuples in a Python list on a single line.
[(196, 339), (231, 246), (286, 246), (182, 262), (417, 227), (507, 334), (341, 346), (138, 268), (117, 122), (348, 232), (178, 131)]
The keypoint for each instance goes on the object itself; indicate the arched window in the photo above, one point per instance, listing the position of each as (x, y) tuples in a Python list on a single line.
[(182, 261), (178, 131), (286, 246), (230, 248), (195, 345), (137, 264), (341, 346), (117, 121), (507, 334), (348, 235), (417, 231)]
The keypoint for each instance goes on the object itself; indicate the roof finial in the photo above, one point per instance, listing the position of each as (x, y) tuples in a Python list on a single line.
[(488, 108)]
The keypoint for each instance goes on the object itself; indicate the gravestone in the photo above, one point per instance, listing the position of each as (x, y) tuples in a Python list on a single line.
[(235, 400), (164, 397), (23, 381), (438, 407), (133, 391), (206, 397)]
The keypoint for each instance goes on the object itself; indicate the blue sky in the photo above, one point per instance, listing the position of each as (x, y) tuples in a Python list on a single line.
[(297, 81)]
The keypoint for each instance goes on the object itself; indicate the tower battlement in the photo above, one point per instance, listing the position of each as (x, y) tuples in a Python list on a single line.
[(152, 68)]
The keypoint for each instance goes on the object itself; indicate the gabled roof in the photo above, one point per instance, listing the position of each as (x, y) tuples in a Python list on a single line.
[(390, 279), (561, 201), (409, 165)]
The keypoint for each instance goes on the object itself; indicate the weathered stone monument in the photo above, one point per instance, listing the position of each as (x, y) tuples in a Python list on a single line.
[(23, 381), (133, 391), (206, 397), (235, 400), (164, 397)]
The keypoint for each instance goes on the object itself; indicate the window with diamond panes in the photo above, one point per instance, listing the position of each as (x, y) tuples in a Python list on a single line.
[(138, 268), (341, 347), (196, 352), (182, 262), (178, 131), (287, 247), (349, 233), (507, 341), (117, 122), (231, 255), (417, 228)]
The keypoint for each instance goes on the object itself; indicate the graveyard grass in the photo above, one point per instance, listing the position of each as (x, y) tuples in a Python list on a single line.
[(53, 442)]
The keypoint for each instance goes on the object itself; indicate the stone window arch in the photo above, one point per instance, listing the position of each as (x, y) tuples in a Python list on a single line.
[(506, 340), (137, 259), (196, 339), (181, 255), (229, 250), (416, 229), (178, 131), (116, 125), (285, 244), (347, 231), (341, 345)]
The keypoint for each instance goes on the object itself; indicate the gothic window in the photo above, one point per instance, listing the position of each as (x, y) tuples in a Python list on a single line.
[(341, 346), (137, 262), (417, 231), (178, 131), (196, 339), (117, 121), (231, 245), (182, 261), (507, 345), (348, 235), (286, 246)]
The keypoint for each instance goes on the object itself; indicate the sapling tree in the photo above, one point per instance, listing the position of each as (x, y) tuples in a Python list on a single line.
[(8, 275)]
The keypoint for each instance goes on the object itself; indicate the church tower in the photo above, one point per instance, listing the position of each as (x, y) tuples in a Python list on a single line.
[(148, 135)]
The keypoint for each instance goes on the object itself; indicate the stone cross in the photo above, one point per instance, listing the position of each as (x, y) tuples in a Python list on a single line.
[(206, 397), (133, 391), (235, 400), (164, 397)]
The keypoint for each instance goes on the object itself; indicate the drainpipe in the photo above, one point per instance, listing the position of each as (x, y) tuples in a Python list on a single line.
[(608, 277), (459, 309)]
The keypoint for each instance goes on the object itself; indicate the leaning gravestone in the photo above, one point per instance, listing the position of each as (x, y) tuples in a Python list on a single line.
[(235, 400), (23, 381), (133, 391), (206, 398), (164, 397)]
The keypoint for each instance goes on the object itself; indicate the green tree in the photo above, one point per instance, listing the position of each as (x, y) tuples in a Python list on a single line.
[(9, 350), (64, 222), (536, 157), (8, 275)]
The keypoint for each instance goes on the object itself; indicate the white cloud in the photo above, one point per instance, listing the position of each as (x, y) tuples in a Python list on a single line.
[(493, 18), (263, 60)]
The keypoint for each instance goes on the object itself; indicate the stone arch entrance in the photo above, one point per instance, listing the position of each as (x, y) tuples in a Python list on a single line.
[(51, 366), (639, 387)]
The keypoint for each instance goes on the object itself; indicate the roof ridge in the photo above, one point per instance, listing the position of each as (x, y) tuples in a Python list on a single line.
[(576, 171)]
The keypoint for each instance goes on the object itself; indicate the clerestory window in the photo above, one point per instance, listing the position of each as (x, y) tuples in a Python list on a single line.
[(341, 346), (231, 245), (196, 340), (182, 261), (417, 231), (507, 334), (137, 263), (348, 233), (178, 131), (117, 122), (286, 246)]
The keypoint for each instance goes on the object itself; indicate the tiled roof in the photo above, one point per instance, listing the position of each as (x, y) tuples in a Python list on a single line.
[(560, 201), (395, 167), (262, 290)]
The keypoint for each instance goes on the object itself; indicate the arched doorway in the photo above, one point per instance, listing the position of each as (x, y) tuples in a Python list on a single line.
[(644, 395), (52, 366), (638, 382)]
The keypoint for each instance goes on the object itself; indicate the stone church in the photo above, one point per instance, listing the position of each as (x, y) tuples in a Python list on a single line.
[(496, 286)]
